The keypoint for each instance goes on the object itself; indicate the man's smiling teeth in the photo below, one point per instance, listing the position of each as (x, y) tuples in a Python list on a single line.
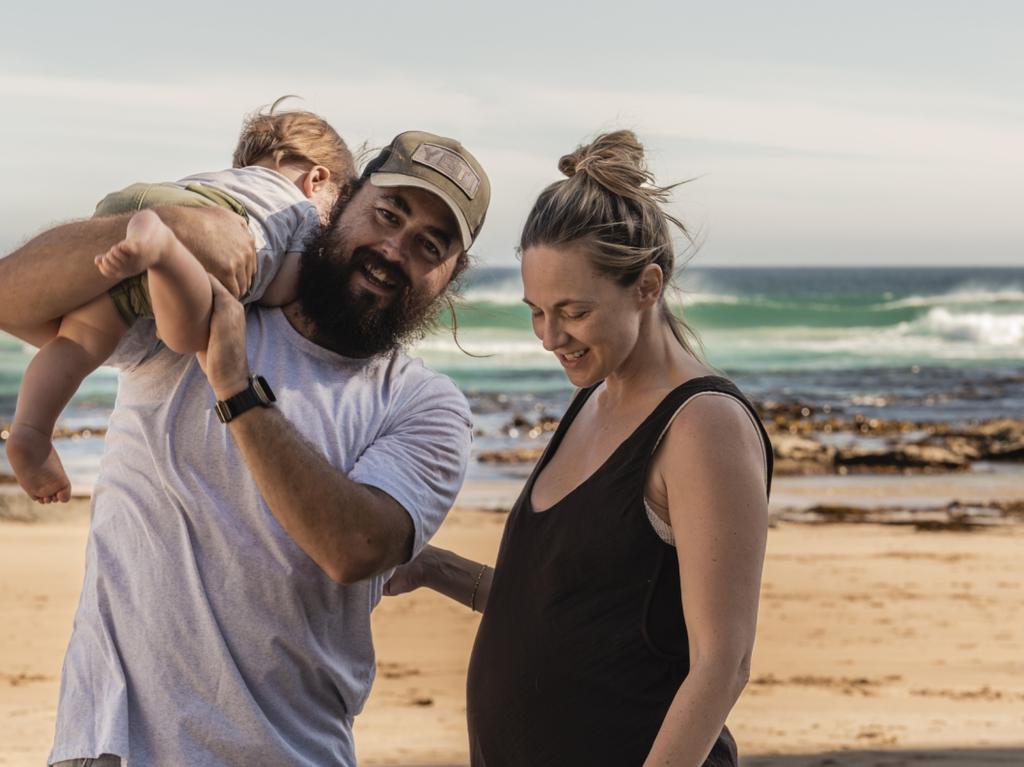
[(575, 355), (379, 275)]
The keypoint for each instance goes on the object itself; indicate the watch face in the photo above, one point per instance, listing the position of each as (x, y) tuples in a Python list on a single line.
[(263, 390), (223, 411)]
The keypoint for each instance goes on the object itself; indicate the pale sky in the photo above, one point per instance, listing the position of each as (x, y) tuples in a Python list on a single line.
[(821, 133)]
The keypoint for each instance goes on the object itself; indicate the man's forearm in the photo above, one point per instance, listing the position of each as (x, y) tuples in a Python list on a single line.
[(55, 271), (350, 530)]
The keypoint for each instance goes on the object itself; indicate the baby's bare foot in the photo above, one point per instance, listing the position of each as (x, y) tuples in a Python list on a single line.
[(36, 465), (145, 242)]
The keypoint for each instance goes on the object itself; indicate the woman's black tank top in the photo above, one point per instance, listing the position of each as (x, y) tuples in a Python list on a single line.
[(583, 646)]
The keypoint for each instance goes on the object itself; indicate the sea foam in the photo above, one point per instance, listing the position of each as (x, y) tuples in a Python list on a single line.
[(983, 328)]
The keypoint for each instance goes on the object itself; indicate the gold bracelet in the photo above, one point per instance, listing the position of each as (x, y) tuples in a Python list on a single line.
[(476, 588)]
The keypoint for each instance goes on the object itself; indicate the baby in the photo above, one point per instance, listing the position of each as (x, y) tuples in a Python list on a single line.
[(289, 168)]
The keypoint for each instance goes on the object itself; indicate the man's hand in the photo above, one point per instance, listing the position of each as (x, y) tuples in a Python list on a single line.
[(225, 362), (220, 240)]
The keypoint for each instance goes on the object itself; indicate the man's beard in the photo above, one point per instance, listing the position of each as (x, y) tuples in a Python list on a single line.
[(352, 322)]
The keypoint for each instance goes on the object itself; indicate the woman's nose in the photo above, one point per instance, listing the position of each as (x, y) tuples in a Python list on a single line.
[(553, 335)]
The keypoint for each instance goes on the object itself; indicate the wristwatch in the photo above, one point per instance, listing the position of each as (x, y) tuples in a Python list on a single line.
[(257, 394)]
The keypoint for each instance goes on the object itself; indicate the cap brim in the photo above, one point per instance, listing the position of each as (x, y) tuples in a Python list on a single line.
[(400, 179)]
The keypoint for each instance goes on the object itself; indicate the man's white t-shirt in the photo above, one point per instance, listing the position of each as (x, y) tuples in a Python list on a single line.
[(205, 635)]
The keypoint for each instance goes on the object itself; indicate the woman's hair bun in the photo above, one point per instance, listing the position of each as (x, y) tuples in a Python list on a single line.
[(567, 164), (614, 160)]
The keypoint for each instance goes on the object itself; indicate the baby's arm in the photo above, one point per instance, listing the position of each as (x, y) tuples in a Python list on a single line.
[(284, 288), (179, 287)]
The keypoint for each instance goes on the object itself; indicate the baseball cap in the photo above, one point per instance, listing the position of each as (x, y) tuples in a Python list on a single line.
[(439, 165)]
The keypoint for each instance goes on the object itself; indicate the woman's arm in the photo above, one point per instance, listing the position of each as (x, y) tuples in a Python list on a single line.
[(719, 511), (458, 578)]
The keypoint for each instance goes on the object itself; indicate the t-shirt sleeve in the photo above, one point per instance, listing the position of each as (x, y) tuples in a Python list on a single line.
[(420, 459), (286, 231), (308, 228)]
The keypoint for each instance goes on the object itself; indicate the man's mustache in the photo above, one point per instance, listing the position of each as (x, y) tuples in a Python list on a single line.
[(370, 256)]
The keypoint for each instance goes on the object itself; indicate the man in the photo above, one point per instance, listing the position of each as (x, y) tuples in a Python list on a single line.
[(232, 567)]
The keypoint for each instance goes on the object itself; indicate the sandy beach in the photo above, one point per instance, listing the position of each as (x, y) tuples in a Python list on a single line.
[(877, 644)]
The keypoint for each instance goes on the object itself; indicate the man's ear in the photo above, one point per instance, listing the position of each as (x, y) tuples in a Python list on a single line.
[(315, 179), (649, 285)]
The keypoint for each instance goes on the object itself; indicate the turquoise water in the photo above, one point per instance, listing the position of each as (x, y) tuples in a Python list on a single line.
[(753, 321)]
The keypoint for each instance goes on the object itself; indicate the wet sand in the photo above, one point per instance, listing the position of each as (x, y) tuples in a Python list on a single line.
[(877, 644)]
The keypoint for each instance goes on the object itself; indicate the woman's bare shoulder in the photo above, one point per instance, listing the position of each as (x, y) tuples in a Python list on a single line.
[(712, 428)]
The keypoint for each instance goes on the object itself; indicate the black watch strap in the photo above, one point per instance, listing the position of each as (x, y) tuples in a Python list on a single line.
[(258, 394)]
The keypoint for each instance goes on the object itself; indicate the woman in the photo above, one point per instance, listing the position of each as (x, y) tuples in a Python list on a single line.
[(641, 510)]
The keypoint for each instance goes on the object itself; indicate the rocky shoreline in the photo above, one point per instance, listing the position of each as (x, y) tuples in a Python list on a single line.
[(809, 441), (955, 516), (806, 440)]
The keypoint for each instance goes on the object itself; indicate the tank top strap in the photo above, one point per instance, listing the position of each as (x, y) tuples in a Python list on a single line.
[(650, 432), (578, 400)]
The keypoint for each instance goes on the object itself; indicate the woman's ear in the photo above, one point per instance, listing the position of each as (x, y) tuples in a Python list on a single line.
[(315, 179), (649, 285)]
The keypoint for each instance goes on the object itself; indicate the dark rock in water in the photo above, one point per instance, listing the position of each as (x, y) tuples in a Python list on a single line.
[(1001, 428), (964, 447), (1009, 451), (959, 525), (800, 456), (958, 515), (1001, 439), (901, 457), (787, 446), (787, 467), (838, 513)]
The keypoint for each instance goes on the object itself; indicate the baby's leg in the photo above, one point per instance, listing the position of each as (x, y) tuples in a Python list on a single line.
[(86, 338), (179, 287)]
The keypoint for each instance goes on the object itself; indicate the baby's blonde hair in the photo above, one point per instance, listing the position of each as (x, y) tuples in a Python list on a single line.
[(294, 137)]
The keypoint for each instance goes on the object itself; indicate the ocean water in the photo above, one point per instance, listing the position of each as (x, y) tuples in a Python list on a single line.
[(920, 344)]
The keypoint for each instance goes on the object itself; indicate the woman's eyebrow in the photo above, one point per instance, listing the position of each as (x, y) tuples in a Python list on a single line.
[(563, 302)]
